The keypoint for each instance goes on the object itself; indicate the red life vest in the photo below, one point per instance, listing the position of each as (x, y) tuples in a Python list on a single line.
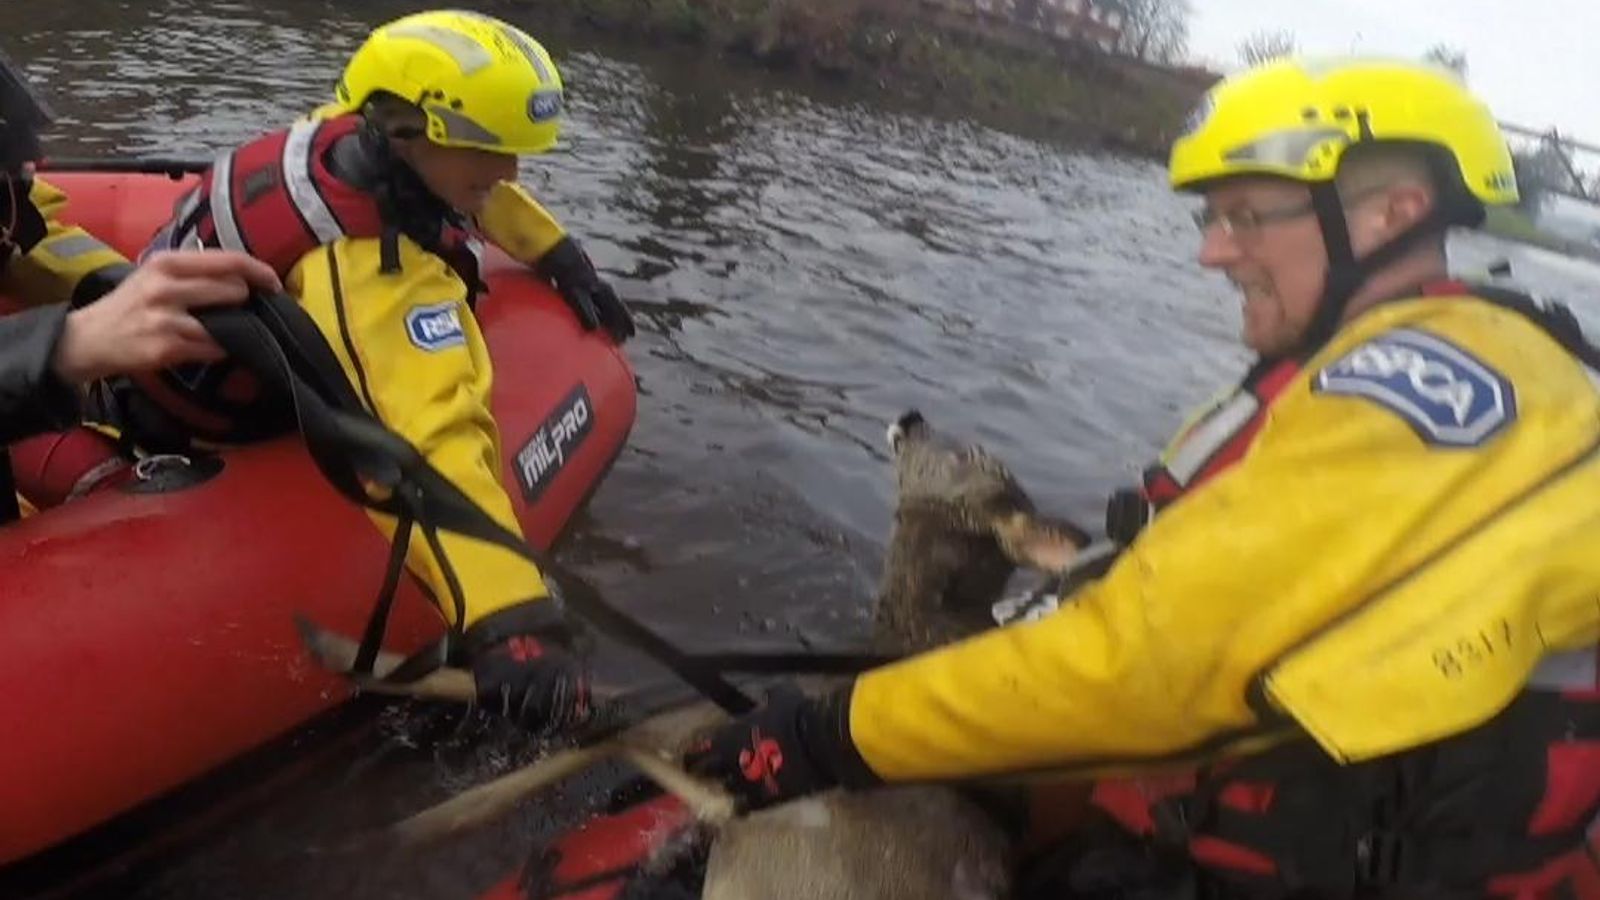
[(1417, 823), (1209, 446), (277, 199)]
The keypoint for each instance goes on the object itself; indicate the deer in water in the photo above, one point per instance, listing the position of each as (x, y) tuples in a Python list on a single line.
[(962, 526)]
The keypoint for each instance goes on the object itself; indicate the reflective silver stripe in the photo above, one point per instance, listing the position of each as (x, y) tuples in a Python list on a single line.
[(92, 479), (228, 236), (302, 190), (545, 75), (74, 246), (516, 36), (191, 201), (468, 54), (1286, 149), (1209, 436), (160, 242), (181, 219), (526, 46), (1565, 671)]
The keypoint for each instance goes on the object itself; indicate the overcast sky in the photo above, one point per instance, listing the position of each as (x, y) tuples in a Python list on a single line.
[(1536, 62)]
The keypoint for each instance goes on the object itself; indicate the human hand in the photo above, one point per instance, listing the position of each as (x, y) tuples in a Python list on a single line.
[(147, 323), (593, 300)]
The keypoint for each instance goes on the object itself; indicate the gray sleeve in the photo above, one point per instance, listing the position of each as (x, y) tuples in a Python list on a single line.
[(32, 398)]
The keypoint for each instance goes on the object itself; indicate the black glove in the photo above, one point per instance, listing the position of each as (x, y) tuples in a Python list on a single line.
[(573, 274), (789, 747), (524, 672)]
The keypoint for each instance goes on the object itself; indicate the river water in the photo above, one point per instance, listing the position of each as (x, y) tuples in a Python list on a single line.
[(805, 266)]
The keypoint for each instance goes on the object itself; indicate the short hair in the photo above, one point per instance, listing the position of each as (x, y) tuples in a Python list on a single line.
[(1369, 166)]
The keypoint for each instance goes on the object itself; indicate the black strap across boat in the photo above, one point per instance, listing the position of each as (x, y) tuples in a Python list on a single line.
[(791, 663), (140, 165), (349, 445), (273, 337)]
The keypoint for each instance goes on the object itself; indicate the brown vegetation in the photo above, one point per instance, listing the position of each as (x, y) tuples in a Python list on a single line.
[(1011, 78)]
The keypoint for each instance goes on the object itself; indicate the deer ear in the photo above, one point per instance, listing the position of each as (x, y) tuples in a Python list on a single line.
[(1048, 545), (901, 428)]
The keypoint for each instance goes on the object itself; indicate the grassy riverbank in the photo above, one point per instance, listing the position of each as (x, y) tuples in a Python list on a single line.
[(1010, 78)]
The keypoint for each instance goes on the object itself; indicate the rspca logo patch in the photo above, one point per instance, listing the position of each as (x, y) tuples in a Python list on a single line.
[(544, 105), (1450, 397), (435, 326)]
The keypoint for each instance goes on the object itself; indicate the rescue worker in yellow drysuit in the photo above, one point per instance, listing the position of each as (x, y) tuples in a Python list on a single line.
[(1364, 589), (370, 211)]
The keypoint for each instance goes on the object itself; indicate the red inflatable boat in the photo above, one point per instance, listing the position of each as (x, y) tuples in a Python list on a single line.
[(149, 637)]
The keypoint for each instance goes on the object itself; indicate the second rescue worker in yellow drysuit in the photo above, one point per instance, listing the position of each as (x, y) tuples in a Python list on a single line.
[(1371, 597), (369, 210), (60, 263), (46, 261)]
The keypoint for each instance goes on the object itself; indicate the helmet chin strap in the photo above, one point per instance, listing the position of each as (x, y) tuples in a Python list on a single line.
[(1346, 274), (404, 201)]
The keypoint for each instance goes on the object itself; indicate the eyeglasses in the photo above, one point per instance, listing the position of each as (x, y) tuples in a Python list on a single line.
[(1238, 223), (1245, 223)]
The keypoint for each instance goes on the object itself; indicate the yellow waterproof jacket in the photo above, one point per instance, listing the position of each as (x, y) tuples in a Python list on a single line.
[(433, 391), (67, 264), (1412, 530), (430, 382)]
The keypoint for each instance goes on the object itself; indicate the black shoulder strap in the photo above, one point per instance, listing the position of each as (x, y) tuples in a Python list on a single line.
[(352, 449), (28, 225), (1556, 319)]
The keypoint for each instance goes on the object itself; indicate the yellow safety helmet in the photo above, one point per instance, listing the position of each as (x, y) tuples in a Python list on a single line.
[(481, 83), (1297, 118)]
